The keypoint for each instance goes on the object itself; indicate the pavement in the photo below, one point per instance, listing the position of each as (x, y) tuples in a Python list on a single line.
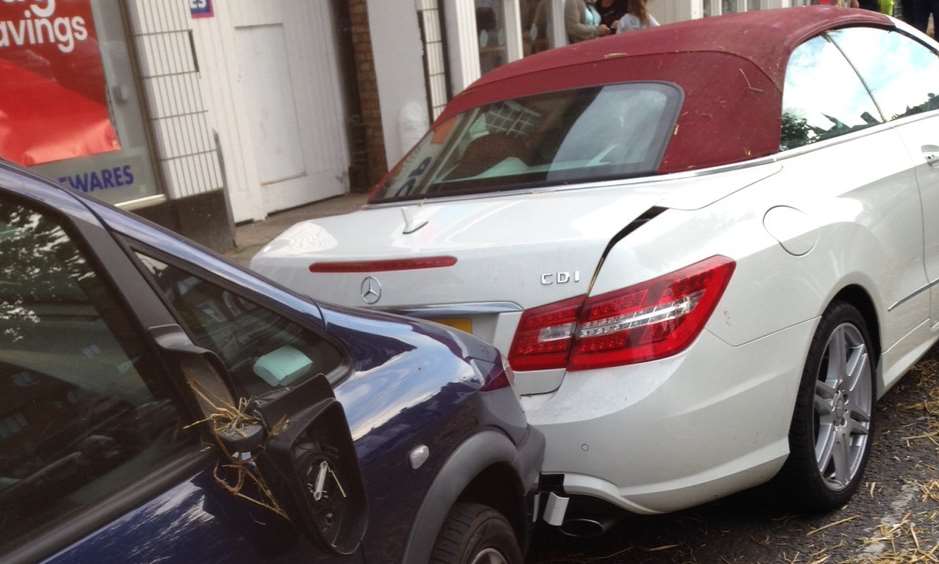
[(250, 237), (894, 518)]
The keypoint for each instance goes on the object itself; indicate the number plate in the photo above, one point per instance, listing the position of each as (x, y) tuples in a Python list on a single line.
[(458, 323)]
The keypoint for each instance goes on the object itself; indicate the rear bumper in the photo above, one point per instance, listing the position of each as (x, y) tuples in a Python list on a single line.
[(666, 435)]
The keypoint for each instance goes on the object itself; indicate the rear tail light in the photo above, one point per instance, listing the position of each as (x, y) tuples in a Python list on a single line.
[(543, 337), (648, 321), (651, 320)]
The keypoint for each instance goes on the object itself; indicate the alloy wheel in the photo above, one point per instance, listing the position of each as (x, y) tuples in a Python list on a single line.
[(842, 407), (490, 556)]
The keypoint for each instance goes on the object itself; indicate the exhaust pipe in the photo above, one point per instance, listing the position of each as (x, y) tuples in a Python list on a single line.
[(576, 516), (586, 527)]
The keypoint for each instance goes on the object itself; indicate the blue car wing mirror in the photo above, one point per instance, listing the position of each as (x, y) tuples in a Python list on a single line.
[(293, 442)]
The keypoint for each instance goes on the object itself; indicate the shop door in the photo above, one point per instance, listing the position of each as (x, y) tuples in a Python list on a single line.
[(289, 101)]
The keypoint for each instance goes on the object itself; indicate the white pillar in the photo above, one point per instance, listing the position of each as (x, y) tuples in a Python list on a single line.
[(556, 30), (463, 44), (695, 9), (513, 30), (677, 10)]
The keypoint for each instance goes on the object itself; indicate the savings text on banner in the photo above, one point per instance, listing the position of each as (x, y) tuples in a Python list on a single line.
[(53, 97)]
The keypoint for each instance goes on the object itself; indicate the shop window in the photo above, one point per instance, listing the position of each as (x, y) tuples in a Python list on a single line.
[(101, 145), (490, 29), (536, 25), (433, 36)]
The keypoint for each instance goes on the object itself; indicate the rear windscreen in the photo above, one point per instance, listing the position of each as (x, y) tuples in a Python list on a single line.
[(600, 133)]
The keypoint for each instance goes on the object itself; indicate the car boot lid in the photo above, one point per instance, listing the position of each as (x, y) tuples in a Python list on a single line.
[(526, 248)]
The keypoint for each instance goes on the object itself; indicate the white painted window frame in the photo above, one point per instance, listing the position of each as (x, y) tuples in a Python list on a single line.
[(463, 43), (513, 30)]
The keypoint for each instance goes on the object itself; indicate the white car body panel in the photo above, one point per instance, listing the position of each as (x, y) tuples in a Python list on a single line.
[(497, 262), (857, 214), (575, 226), (666, 421)]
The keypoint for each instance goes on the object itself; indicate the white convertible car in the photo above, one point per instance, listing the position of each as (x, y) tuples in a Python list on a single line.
[(706, 249)]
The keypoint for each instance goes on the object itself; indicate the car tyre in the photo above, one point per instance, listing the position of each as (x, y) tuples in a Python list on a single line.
[(832, 426), (476, 534)]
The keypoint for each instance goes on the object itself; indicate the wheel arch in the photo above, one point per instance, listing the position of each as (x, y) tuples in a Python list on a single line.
[(499, 487), (860, 298), (476, 471)]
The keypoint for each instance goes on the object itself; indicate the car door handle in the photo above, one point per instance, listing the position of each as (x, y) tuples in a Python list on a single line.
[(931, 154)]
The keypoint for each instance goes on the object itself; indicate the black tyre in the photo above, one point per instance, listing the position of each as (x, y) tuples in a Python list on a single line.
[(832, 426), (476, 534)]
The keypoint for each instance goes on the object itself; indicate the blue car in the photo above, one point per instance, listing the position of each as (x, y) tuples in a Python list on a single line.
[(159, 404)]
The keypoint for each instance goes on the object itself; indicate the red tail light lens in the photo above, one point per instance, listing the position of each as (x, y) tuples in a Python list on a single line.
[(544, 334), (651, 320), (648, 321)]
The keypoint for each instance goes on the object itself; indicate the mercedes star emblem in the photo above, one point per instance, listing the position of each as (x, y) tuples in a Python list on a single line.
[(371, 290)]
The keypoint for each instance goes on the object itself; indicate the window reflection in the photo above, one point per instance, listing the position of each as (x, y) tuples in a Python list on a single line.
[(83, 414), (823, 96), (261, 349), (535, 25), (490, 27), (904, 83)]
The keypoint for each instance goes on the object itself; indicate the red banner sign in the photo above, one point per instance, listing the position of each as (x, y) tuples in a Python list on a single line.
[(53, 92)]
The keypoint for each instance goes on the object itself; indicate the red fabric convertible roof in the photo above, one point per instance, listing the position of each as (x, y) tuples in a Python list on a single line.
[(731, 68)]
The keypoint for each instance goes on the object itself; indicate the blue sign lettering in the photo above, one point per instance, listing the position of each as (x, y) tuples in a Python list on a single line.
[(97, 180)]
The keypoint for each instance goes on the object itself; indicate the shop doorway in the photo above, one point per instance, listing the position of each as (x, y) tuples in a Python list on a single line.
[(283, 67)]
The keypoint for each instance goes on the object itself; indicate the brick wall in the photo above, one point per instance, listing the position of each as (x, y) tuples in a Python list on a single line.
[(369, 111)]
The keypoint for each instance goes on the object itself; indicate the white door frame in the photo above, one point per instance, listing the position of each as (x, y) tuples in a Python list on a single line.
[(218, 44)]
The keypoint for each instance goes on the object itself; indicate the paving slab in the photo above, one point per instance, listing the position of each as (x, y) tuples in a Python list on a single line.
[(250, 237)]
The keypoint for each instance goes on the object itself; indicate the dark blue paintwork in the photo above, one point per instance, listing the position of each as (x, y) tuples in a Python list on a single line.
[(411, 383), (408, 383), (193, 522)]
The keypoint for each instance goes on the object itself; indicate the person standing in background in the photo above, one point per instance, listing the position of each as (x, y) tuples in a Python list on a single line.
[(611, 11), (582, 21), (865, 4), (637, 18)]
